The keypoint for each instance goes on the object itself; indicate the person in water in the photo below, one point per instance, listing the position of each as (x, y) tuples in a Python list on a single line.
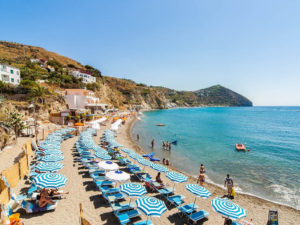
[(137, 137), (229, 183), (167, 162), (152, 143), (164, 161)]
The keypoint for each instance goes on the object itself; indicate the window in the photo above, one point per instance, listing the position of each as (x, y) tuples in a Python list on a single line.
[(12, 80), (12, 71), (18, 73), (18, 81)]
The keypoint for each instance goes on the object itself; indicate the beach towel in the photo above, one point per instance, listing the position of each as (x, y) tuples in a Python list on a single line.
[(233, 192)]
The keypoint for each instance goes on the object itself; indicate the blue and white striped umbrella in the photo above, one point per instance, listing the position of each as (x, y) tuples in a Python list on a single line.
[(52, 152), (151, 206), (228, 209), (52, 158), (159, 168), (126, 150), (50, 180), (49, 166), (198, 190), (176, 177), (133, 189), (102, 156), (144, 162)]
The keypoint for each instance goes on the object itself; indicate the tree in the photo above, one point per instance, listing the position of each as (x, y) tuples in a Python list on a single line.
[(14, 121), (39, 93), (93, 86), (93, 71)]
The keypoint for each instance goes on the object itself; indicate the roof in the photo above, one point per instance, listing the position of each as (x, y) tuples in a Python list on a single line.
[(76, 92)]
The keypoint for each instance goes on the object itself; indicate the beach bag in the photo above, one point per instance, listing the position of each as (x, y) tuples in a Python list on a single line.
[(233, 192)]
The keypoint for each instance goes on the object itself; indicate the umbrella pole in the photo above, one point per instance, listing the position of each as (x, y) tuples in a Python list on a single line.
[(194, 203), (147, 220)]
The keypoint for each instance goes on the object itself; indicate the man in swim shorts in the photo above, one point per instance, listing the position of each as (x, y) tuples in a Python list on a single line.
[(229, 183)]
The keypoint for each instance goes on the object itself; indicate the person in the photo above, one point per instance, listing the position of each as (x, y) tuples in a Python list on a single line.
[(163, 161), (167, 162), (227, 221), (158, 179), (138, 137), (152, 143), (201, 178), (163, 145), (229, 183), (202, 169), (170, 146), (45, 198)]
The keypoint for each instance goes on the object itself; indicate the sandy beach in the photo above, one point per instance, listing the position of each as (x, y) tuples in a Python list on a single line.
[(97, 211)]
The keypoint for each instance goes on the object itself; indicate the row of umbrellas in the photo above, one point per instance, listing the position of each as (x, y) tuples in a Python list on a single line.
[(49, 163)]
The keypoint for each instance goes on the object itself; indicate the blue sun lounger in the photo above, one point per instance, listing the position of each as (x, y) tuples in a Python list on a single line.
[(176, 200), (144, 222), (195, 217), (187, 209), (118, 207), (126, 216), (34, 208)]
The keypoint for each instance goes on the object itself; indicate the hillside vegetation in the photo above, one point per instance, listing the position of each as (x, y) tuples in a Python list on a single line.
[(120, 93)]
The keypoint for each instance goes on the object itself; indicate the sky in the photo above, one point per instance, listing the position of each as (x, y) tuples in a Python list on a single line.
[(251, 47)]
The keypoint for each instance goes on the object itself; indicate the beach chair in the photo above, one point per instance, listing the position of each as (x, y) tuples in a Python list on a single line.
[(187, 209), (123, 219), (197, 216), (100, 183), (143, 176), (113, 197), (34, 208), (235, 223), (165, 192), (144, 222), (118, 207), (175, 200), (130, 214)]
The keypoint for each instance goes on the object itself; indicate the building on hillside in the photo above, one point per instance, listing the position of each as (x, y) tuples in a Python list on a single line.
[(10, 74), (86, 78), (79, 99)]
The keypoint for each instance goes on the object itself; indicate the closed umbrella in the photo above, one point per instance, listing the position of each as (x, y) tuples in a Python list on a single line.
[(103, 156)]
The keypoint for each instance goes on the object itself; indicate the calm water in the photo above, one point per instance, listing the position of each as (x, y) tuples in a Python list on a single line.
[(270, 170)]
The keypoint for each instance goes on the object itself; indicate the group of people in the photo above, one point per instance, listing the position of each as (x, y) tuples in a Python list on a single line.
[(167, 145), (166, 162), (46, 196)]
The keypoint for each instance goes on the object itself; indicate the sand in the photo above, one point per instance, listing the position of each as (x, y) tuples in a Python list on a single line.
[(97, 211)]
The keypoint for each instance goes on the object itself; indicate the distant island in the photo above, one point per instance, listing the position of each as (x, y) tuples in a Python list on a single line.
[(49, 71)]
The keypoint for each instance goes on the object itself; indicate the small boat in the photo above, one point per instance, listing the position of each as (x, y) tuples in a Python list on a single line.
[(160, 124), (240, 147)]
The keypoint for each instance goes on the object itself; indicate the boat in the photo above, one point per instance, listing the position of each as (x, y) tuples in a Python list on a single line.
[(174, 142), (160, 124), (240, 147)]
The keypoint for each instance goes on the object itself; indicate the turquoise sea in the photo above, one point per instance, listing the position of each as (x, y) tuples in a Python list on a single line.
[(270, 170)]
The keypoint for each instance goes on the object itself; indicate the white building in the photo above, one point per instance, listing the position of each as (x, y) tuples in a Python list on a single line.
[(9, 74), (86, 78)]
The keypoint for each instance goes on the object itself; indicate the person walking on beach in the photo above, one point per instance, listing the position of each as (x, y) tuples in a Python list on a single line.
[(202, 169), (137, 137), (152, 143), (229, 183), (201, 178)]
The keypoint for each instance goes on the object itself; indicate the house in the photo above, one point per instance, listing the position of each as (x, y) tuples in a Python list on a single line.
[(86, 78), (83, 99), (10, 74)]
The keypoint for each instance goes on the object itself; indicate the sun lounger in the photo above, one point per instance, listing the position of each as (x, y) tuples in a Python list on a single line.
[(187, 209), (235, 223), (118, 207), (100, 183), (176, 200), (165, 191), (195, 217), (144, 222), (34, 208), (113, 197), (124, 219), (131, 213)]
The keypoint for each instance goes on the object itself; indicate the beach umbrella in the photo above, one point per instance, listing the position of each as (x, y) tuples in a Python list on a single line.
[(117, 175), (228, 209), (50, 180), (49, 166), (151, 206), (159, 168), (52, 158), (51, 152), (197, 190), (176, 177), (144, 162), (103, 156), (133, 190), (126, 150), (108, 165)]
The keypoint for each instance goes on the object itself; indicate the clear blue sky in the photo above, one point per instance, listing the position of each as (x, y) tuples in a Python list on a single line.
[(252, 47)]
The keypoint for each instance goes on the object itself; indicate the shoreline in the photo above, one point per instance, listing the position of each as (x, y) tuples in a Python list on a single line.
[(249, 196)]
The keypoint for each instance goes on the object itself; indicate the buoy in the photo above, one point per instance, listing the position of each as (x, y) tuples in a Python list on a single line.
[(248, 150)]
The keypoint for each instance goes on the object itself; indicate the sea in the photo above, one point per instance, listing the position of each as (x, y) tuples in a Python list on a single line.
[(269, 169)]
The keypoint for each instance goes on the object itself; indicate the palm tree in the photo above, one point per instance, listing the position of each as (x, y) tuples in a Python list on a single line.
[(39, 93)]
